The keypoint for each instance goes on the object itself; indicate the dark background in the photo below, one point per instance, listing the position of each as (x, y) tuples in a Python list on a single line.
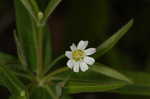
[(93, 20)]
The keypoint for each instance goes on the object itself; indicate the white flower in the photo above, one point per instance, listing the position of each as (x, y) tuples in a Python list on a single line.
[(79, 56)]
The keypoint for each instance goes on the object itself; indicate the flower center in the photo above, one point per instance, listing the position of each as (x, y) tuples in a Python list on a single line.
[(78, 55)]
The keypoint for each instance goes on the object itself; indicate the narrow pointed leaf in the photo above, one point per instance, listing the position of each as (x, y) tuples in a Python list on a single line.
[(20, 52), (29, 8), (50, 8), (7, 59), (79, 87), (141, 84), (26, 33), (107, 71), (86, 81), (10, 81), (110, 42), (34, 6)]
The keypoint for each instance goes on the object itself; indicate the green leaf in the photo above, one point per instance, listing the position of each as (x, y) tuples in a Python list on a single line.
[(7, 59), (9, 80), (109, 43), (20, 72), (78, 87), (141, 84), (20, 52), (34, 6), (50, 8), (28, 7), (26, 33), (44, 92), (107, 71), (85, 81)]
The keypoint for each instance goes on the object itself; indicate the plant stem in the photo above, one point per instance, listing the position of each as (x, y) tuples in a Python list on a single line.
[(54, 62), (49, 76), (40, 51), (50, 8)]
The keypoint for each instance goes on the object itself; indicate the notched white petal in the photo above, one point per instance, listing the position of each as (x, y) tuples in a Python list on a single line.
[(83, 66), (73, 47), (68, 54), (82, 45), (70, 64), (90, 51), (89, 60), (76, 67)]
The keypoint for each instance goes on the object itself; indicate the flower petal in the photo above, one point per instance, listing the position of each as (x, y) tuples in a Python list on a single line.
[(70, 64), (83, 66), (68, 54), (90, 51), (89, 60), (73, 47), (76, 67), (82, 45)]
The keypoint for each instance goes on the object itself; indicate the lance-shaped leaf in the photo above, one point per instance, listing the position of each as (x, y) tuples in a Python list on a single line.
[(107, 71), (50, 8), (85, 81), (109, 43), (7, 59), (29, 8), (26, 33), (10, 81), (20, 52), (141, 84), (80, 87)]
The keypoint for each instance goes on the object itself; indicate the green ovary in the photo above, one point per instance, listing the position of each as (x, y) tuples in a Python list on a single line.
[(78, 55)]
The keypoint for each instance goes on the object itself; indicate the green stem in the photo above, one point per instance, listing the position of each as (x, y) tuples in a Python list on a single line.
[(50, 8), (38, 40), (40, 51), (49, 76), (54, 62)]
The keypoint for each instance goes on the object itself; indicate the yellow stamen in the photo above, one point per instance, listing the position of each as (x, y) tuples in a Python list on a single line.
[(78, 55)]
